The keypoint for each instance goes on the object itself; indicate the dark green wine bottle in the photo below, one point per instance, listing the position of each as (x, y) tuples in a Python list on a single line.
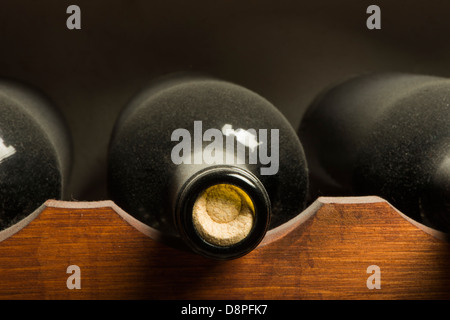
[(385, 135), (208, 162), (35, 151)]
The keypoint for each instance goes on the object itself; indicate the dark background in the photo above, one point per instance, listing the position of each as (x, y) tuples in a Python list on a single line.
[(287, 51)]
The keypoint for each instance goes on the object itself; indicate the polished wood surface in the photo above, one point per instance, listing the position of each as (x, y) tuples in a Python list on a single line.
[(323, 253)]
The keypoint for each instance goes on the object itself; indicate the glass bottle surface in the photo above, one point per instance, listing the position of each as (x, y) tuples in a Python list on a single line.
[(35, 151), (386, 135), (183, 128)]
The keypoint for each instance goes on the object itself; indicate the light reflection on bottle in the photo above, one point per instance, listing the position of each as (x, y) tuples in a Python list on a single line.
[(5, 151), (245, 137)]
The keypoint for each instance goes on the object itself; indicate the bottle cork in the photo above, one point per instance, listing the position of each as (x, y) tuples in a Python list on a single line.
[(223, 215)]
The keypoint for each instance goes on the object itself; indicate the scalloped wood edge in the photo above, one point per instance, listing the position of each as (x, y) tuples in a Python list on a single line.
[(271, 236), (284, 229), (323, 253)]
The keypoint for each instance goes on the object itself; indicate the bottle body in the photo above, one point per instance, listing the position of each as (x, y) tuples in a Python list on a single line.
[(35, 151), (385, 135), (195, 129)]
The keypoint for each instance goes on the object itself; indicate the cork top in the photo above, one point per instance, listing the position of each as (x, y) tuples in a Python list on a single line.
[(223, 215)]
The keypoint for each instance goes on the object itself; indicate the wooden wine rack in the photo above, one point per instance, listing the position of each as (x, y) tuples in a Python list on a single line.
[(324, 253)]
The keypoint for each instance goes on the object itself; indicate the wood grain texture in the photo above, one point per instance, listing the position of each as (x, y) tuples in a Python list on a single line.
[(322, 254)]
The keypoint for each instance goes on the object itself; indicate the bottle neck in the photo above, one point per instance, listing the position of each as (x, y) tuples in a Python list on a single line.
[(222, 212)]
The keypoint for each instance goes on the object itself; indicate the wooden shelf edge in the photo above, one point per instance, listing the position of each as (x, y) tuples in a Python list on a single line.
[(283, 230), (271, 236), (323, 253), (375, 199)]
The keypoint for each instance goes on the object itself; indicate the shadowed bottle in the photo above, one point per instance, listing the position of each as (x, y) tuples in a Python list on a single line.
[(208, 162), (35, 151), (385, 135)]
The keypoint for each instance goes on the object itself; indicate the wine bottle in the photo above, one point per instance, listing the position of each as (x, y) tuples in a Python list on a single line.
[(384, 134), (35, 151), (208, 162)]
